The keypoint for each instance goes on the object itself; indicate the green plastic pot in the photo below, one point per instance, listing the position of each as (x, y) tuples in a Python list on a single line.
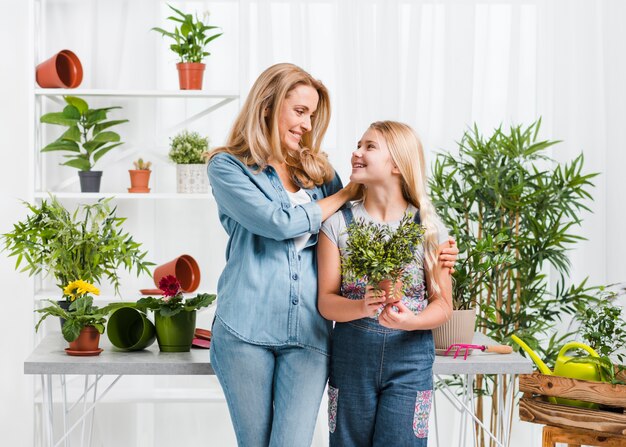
[(130, 330), (175, 334)]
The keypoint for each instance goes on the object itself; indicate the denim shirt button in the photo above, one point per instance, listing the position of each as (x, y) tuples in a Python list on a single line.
[(299, 257), (294, 301), (314, 196), (294, 277)]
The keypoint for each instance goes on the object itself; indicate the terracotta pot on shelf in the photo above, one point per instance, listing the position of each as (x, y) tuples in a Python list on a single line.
[(63, 70), (86, 344), (190, 75), (184, 268), (139, 179)]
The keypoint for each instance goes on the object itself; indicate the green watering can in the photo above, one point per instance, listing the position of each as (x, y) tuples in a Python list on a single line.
[(581, 371)]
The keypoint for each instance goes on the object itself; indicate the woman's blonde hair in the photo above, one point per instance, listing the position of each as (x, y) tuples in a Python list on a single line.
[(407, 153), (254, 138)]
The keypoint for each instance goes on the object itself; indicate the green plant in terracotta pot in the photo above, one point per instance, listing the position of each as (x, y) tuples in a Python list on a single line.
[(187, 150), (140, 176), (88, 243), (378, 254), (82, 321), (174, 316), (87, 139), (191, 36)]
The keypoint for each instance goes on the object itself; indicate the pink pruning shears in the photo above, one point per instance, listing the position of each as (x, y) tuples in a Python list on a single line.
[(500, 349)]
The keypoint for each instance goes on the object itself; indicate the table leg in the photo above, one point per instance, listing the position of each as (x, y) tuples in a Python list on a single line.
[(65, 410), (50, 409)]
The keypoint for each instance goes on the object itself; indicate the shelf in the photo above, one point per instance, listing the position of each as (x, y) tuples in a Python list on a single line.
[(122, 195), (138, 93)]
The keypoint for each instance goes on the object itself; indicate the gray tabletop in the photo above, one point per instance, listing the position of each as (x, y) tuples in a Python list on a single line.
[(50, 358)]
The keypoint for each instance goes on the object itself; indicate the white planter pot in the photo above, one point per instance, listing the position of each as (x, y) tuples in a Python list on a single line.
[(192, 179), (459, 329)]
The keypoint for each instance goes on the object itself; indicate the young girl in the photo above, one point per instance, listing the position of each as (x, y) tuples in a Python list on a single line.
[(380, 385)]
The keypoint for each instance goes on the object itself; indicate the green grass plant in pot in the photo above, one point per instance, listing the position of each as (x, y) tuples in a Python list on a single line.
[(87, 138), (514, 213), (88, 243), (378, 254), (187, 150), (191, 36), (174, 316), (82, 321)]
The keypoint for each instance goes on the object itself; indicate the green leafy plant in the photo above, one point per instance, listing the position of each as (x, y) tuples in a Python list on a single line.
[(603, 328), (142, 165), (188, 148), (513, 212), (173, 301), (86, 138), (190, 36), (81, 312), (89, 243), (378, 252)]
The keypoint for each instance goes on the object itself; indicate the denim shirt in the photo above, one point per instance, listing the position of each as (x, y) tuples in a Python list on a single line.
[(267, 293)]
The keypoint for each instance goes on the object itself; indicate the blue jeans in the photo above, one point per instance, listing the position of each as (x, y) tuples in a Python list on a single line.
[(273, 393), (380, 386)]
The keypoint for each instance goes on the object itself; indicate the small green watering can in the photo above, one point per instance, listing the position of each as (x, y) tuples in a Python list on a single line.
[(581, 371)]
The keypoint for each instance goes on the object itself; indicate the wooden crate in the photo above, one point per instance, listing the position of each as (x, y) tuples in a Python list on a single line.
[(610, 418)]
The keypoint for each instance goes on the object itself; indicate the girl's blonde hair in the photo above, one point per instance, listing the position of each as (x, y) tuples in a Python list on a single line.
[(407, 153), (254, 138)]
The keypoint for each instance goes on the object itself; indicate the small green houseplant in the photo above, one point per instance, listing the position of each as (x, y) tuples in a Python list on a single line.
[(140, 176), (379, 254), (191, 36), (87, 138), (187, 150), (83, 322), (174, 316), (89, 243)]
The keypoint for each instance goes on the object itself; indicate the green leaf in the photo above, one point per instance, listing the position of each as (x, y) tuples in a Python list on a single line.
[(61, 146), (78, 163), (106, 137), (78, 103), (72, 134), (71, 330), (97, 155), (102, 126), (58, 118)]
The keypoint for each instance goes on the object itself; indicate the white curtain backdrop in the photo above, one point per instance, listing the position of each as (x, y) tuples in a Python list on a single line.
[(438, 65)]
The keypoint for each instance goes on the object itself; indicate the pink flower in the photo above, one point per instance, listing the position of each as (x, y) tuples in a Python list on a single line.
[(169, 285)]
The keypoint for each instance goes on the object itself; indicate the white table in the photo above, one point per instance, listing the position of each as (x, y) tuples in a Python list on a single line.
[(49, 358)]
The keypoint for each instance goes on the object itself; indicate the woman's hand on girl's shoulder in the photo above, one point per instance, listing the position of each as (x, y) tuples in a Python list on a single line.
[(448, 253), (372, 300), (399, 318), (354, 191)]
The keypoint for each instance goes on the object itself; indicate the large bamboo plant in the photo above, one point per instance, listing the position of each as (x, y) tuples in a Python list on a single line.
[(514, 213)]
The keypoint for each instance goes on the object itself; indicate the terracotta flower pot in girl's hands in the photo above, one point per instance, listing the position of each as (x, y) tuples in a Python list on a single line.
[(63, 70), (393, 295)]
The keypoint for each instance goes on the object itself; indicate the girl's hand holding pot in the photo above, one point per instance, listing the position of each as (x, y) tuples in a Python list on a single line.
[(372, 300)]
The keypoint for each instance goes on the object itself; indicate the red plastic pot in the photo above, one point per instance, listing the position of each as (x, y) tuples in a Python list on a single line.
[(63, 70), (184, 268), (190, 75)]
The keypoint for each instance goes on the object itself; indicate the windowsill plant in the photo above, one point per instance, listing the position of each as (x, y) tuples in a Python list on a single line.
[(191, 36), (86, 138)]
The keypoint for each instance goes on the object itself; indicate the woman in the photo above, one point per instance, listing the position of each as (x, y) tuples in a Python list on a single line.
[(274, 187)]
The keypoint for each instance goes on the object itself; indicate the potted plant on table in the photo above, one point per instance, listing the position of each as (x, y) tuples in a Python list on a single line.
[(82, 321), (513, 212), (378, 254), (190, 39), (88, 243), (187, 150), (140, 176), (86, 138), (174, 316)]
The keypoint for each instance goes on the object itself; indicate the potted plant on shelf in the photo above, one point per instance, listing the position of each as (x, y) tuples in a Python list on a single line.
[(174, 316), (187, 150), (513, 212), (378, 254), (83, 322), (88, 243), (190, 39), (86, 138), (140, 176)]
